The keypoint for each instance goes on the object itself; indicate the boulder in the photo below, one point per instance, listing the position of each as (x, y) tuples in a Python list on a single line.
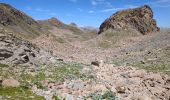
[(120, 89), (10, 83)]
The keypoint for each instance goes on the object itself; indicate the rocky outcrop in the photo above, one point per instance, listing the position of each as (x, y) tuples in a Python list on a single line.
[(17, 51), (140, 19)]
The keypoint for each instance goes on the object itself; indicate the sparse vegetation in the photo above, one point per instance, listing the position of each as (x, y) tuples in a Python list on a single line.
[(18, 93), (3, 65), (108, 95), (120, 33), (56, 98), (69, 71), (156, 61), (60, 40), (75, 30)]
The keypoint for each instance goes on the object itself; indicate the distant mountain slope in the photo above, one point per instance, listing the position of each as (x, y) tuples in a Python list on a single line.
[(49, 23), (68, 32), (55, 23), (19, 23)]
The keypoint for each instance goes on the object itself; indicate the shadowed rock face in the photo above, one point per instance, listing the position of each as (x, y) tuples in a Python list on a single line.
[(140, 19)]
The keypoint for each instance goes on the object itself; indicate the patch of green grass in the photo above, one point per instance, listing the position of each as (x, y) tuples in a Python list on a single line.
[(108, 95), (150, 66), (3, 65), (28, 79), (18, 93), (120, 33), (75, 30), (104, 44), (56, 98), (111, 38), (60, 40), (69, 71), (156, 61)]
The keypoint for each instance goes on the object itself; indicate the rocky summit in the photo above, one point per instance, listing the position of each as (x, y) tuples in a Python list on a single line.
[(140, 19)]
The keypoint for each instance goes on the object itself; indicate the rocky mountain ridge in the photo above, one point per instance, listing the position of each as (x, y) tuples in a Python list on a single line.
[(18, 22)]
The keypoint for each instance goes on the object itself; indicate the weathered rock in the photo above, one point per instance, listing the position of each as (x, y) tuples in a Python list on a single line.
[(121, 89), (17, 51), (96, 63), (69, 97), (76, 85), (140, 19), (10, 83)]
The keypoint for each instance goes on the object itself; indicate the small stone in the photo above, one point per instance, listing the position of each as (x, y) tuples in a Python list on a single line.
[(76, 85), (0, 80), (120, 89), (69, 97), (96, 63), (10, 83), (99, 88)]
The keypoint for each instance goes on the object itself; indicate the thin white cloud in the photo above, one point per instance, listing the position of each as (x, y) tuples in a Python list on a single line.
[(91, 11), (79, 9), (111, 9), (94, 3), (52, 14), (40, 10), (118, 8), (160, 3), (73, 0), (97, 2), (28, 8), (69, 15), (163, 1), (131, 6)]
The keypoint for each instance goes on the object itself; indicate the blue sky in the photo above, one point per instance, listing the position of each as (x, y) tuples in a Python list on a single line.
[(88, 12)]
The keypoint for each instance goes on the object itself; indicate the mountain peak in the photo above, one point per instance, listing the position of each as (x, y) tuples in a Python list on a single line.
[(54, 21)]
